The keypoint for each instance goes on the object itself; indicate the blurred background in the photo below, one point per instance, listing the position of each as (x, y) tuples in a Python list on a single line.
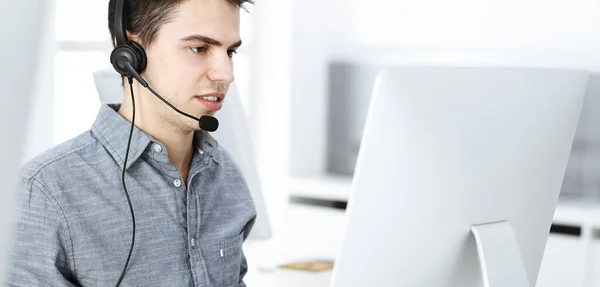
[(305, 75)]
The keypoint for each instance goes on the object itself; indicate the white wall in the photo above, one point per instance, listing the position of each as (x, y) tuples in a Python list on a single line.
[(270, 102), (475, 23), (318, 26), (537, 33), (517, 33), (40, 124), (18, 55)]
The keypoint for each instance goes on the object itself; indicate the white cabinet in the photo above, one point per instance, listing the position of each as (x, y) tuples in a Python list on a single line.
[(563, 264)]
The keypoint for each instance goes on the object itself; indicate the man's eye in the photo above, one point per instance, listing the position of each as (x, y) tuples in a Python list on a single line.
[(231, 52), (198, 50)]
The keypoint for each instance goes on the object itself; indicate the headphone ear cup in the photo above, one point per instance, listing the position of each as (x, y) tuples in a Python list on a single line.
[(121, 55), (141, 56)]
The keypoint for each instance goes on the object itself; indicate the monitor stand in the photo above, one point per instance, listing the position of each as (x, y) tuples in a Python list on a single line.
[(499, 255)]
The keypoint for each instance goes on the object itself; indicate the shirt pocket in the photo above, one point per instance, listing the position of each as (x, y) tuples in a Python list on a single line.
[(223, 260), (231, 258)]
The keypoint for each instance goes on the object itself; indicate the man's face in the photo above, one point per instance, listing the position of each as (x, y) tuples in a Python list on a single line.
[(190, 62)]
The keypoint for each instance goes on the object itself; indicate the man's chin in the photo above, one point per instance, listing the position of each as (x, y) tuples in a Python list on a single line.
[(208, 113)]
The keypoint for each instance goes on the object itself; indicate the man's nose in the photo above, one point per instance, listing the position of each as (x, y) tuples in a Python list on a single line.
[(221, 69)]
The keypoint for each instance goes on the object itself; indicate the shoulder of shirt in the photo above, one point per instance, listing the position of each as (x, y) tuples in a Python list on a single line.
[(232, 167), (53, 157)]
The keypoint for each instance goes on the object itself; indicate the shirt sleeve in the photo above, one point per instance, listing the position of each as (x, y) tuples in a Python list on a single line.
[(40, 254)]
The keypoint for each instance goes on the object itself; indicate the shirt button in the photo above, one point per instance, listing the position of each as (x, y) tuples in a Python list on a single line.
[(177, 182), (157, 148)]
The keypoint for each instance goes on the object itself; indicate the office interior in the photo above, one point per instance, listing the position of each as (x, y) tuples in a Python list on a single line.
[(305, 77)]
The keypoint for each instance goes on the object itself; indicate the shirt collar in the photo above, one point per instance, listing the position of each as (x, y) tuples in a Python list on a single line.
[(112, 130), (207, 145)]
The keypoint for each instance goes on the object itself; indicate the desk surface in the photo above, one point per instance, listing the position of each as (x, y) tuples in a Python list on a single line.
[(264, 273)]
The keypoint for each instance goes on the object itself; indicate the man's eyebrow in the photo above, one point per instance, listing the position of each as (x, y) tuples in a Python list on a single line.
[(209, 41), (236, 44)]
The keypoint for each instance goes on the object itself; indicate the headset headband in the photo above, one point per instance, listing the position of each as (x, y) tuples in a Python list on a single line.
[(120, 23)]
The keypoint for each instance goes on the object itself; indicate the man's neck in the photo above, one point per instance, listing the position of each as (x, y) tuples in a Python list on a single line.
[(179, 144)]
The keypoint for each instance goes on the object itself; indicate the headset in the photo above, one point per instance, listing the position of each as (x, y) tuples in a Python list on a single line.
[(129, 59)]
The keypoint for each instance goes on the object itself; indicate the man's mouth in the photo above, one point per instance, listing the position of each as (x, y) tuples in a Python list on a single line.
[(211, 98), (212, 101)]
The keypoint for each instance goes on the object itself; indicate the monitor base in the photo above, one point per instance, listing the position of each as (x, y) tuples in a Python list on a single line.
[(499, 255)]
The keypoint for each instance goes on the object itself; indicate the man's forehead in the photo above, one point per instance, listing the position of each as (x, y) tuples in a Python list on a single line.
[(213, 11), (216, 19)]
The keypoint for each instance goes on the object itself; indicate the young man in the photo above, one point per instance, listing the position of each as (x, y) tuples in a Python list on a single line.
[(192, 206)]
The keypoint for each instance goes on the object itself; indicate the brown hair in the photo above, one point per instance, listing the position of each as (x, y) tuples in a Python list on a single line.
[(145, 17)]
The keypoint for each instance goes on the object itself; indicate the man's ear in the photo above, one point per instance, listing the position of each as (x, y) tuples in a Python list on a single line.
[(134, 38), (129, 36)]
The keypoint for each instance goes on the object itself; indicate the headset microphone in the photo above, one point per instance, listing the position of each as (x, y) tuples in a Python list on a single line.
[(208, 123)]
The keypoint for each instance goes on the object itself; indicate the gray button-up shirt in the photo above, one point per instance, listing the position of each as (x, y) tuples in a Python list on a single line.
[(75, 225)]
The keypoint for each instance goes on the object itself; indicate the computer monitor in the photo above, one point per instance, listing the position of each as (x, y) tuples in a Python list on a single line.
[(233, 134), (458, 175), (20, 30)]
